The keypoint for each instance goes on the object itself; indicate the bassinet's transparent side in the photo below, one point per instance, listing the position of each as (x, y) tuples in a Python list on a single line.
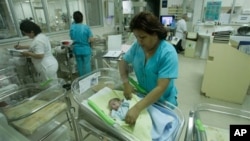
[(212, 122), (86, 86)]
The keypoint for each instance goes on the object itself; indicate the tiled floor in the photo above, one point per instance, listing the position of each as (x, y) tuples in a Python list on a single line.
[(189, 86)]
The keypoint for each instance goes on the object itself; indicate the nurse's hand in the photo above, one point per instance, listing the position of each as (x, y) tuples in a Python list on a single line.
[(128, 90), (26, 53), (132, 116), (17, 47)]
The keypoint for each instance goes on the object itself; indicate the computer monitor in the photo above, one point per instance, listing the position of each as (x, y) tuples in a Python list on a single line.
[(167, 20)]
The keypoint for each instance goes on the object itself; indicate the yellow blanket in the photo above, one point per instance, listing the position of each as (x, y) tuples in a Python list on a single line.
[(143, 126)]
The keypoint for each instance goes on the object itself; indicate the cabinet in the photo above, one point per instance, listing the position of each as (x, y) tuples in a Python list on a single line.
[(175, 10), (226, 75), (190, 47), (39, 113)]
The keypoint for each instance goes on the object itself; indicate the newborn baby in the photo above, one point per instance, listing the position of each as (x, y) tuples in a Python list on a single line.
[(118, 108)]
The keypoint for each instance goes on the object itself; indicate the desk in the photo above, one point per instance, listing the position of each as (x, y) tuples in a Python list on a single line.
[(206, 40)]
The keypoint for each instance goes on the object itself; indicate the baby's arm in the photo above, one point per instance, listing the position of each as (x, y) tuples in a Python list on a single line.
[(125, 103), (114, 114)]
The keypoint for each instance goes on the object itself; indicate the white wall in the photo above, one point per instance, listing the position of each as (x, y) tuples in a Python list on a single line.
[(109, 23), (246, 4), (197, 11)]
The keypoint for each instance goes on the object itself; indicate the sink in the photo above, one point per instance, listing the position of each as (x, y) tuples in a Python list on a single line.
[(204, 35), (206, 39)]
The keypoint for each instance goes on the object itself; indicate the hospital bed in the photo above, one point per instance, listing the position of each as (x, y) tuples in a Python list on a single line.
[(210, 122), (91, 92)]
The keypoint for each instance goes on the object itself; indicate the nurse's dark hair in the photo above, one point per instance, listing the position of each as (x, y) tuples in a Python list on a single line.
[(149, 23), (29, 26), (78, 17)]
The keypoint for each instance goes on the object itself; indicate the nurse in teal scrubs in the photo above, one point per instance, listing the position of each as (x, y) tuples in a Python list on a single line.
[(82, 37), (154, 61)]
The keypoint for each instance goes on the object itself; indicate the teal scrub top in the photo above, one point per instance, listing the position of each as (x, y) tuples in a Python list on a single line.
[(163, 64), (80, 34)]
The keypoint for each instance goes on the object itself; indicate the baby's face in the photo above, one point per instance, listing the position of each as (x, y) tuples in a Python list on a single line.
[(114, 105)]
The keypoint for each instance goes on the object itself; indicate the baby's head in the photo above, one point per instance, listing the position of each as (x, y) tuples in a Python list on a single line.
[(114, 103)]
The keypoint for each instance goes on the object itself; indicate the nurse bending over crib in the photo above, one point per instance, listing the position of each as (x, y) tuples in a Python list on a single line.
[(39, 51), (118, 108), (154, 61)]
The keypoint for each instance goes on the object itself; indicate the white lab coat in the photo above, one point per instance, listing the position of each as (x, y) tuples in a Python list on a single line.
[(181, 27), (47, 66)]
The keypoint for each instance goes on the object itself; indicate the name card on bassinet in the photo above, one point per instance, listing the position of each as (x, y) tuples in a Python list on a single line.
[(88, 82)]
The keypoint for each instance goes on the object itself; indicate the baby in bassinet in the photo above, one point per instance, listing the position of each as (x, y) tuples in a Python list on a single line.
[(118, 108), (161, 130)]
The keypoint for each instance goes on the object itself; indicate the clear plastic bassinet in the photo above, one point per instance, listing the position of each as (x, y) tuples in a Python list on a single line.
[(210, 122), (8, 79), (89, 85), (37, 110)]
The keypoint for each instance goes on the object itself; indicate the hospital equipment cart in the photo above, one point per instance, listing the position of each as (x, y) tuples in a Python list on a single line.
[(66, 62)]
